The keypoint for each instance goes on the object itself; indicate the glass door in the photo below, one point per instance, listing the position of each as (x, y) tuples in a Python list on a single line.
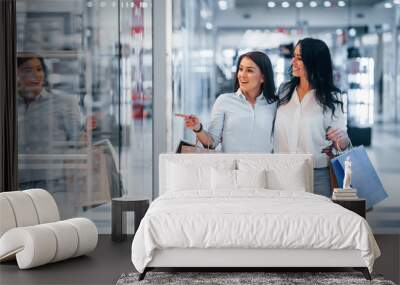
[(84, 102)]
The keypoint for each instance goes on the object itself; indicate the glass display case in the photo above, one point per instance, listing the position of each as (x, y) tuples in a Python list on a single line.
[(360, 99), (280, 67)]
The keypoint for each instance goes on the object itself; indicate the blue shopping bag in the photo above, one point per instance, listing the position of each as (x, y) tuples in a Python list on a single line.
[(364, 177)]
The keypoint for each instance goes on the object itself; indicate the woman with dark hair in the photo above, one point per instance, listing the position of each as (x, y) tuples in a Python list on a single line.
[(32, 76), (48, 124), (310, 117), (44, 116), (242, 121)]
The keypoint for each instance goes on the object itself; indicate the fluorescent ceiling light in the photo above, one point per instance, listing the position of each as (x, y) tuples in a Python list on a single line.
[(209, 26), (205, 13), (313, 4), (223, 4), (388, 5), (352, 32), (229, 53), (271, 4), (327, 4), (339, 32), (370, 39), (341, 3), (285, 4), (299, 4), (397, 2)]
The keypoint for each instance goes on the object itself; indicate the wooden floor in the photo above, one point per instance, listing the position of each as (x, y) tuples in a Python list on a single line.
[(103, 266), (110, 259)]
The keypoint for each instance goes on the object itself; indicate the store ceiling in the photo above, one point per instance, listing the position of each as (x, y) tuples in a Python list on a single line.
[(251, 3)]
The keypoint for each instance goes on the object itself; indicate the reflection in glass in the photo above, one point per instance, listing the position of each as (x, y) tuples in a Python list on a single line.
[(48, 127), (136, 97), (76, 91)]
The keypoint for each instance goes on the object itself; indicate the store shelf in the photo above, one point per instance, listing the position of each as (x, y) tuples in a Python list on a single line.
[(360, 99), (61, 54)]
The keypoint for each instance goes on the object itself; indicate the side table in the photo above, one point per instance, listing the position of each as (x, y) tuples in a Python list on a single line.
[(355, 205), (138, 205)]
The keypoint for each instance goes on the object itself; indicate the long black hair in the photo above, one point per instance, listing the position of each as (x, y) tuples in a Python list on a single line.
[(264, 64), (318, 64)]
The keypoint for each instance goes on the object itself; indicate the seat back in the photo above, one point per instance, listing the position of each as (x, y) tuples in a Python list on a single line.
[(26, 208)]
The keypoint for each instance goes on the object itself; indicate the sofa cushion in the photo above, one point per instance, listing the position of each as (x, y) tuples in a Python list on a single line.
[(23, 208), (32, 246), (45, 205), (67, 239), (7, 215)]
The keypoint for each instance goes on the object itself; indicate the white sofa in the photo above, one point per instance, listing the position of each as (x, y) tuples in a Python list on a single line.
[(31, 231)]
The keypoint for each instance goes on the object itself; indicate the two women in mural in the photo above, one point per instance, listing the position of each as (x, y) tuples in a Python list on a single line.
[(305, 116)]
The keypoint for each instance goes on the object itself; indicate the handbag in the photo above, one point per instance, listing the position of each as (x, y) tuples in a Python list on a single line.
[(364, 176), (186, 147)]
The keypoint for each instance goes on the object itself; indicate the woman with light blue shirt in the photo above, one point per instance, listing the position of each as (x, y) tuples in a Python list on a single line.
[(243, 121)]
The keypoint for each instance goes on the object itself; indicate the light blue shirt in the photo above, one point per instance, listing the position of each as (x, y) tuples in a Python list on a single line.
[(239, 126), (50, 124)]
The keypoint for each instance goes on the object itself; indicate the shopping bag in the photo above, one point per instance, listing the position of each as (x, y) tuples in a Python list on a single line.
[(90, 184), (332, 177), (183, 144), (364, 177), (186, 147)]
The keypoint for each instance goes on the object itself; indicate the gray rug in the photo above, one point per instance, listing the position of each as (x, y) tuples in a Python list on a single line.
[(243, 278)]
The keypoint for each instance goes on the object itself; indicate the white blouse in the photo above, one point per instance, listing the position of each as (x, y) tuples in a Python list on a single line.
[(300, 127)]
